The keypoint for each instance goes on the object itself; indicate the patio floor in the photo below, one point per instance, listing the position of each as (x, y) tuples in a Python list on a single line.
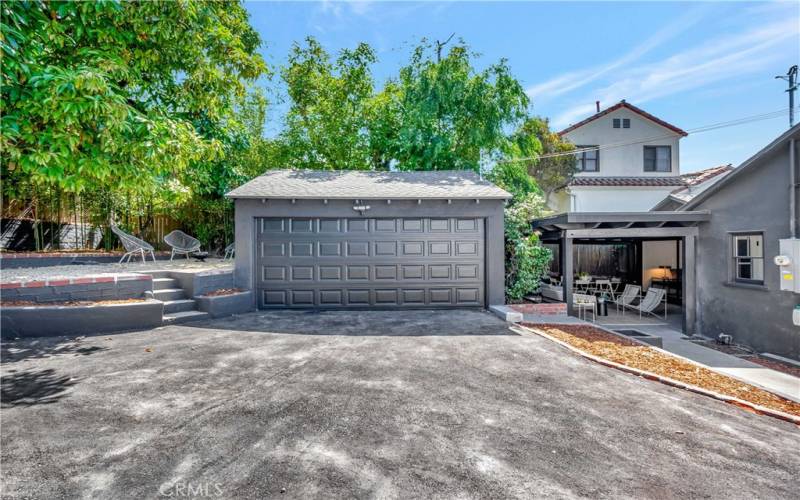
[(82, 270)]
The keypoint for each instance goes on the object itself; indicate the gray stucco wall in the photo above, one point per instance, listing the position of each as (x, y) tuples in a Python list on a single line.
[(760, 317), (492, 210)]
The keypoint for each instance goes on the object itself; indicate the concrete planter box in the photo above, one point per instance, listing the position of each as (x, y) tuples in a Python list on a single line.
[(225, 305), (51, 321)]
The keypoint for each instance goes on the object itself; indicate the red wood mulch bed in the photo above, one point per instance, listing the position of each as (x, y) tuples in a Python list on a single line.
[(30, 303), (635, 355)]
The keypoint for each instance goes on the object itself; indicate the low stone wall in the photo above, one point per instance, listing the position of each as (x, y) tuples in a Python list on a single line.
[(118, 286), (51, 321), (225, 305), (543, 309), (201, 283)]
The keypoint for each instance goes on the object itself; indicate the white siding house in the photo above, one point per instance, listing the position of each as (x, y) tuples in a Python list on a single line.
[(636, 165)]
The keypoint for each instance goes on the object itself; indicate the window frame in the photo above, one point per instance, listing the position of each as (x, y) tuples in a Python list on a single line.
[(655, 164), (616, 123), (581, 158), (735, 259), (626, 123)]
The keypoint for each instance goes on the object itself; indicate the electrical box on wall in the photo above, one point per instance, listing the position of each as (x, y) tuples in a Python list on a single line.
[(789, 264)]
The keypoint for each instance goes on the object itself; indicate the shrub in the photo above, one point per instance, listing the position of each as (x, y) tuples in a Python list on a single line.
[(527, 261)]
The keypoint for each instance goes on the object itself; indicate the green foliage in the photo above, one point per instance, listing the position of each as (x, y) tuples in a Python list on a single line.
[(139, 106), (325, 127), (534, 138), (442, 114), (527, 261), (513, 177), (105, 93)]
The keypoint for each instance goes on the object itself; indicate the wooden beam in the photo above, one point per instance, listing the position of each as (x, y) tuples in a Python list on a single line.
[(640, 232)]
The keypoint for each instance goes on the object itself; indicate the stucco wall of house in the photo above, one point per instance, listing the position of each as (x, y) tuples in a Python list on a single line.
[(761, 317), (616, 199), (625, 160), (247, 210)]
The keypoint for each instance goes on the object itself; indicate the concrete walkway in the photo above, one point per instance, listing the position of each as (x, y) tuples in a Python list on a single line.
[(674, 341)]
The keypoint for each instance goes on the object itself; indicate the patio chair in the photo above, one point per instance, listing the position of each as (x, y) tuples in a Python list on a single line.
[(652, 299), (629, 294), (183, 244), (583, 302), (132, 245), (230, 251), (604, 286), (583, 285)]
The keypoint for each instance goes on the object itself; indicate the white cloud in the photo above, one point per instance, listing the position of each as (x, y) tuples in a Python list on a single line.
[(568, 82), (725, 58)]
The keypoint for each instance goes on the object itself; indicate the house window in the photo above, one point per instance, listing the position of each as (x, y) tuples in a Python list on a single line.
[(748, 258), (615, 122), (588, 161), (626, 123), (658, 158)]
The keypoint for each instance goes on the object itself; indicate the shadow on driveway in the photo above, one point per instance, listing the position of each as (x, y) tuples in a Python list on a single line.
[(389, 323), (33, 387)]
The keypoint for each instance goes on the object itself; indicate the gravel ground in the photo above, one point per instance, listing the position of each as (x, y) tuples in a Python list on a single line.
[(371, 404), (76, 271)]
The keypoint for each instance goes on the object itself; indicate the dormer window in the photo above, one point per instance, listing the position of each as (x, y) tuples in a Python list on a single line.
[(588, 161), (623, 122)]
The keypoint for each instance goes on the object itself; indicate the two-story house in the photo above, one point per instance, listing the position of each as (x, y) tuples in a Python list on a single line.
[(629, 161)]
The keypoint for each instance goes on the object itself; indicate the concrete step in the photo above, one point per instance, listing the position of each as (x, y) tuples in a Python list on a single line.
[(185, 316), (158, 274), (169, 294), (164, 283), (179, 305)]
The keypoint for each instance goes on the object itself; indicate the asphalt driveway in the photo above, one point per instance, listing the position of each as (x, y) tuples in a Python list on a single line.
[(366, 404)]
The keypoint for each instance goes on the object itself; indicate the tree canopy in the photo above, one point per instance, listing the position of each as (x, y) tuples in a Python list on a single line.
[(113, 93), (442, 114)]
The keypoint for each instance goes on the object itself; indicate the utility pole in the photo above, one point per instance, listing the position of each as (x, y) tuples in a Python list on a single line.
[(791, 77)]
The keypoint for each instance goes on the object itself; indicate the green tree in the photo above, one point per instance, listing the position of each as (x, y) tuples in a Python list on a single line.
[(534, 139), (527, 261), (441, 113), (326, 125), (109, 93)]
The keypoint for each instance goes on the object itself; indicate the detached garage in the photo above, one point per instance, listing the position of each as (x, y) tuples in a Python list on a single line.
[(350, 239)]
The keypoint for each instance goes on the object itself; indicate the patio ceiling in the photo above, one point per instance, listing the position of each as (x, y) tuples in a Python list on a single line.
[(598, 224)]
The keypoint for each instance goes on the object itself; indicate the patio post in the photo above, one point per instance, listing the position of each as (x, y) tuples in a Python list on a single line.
[(567, 271), (689, 285)]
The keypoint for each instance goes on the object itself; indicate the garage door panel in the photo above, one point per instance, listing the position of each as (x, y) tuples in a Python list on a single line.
[(355, 262)]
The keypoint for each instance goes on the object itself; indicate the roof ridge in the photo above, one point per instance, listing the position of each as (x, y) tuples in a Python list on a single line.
[(624, 104)]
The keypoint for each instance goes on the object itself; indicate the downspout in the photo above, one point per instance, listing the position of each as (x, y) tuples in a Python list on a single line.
[(793, 189)]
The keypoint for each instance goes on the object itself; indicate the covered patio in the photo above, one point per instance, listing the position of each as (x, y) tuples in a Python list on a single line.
[(644, 249)]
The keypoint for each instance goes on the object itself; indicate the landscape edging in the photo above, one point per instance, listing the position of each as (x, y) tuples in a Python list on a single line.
[(668, 381)]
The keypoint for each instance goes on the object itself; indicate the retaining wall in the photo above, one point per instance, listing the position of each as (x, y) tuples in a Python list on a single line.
[(119, 286), (50, 321)]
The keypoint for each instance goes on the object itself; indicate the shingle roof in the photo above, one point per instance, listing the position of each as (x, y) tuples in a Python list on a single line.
[(628, 181), (350, 184), (624, 104), (701, 176)]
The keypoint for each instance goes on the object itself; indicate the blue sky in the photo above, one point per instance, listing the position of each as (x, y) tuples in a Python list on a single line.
[(691, 64)]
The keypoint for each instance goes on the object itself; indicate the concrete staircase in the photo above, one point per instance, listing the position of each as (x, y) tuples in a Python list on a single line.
[(178, 308)]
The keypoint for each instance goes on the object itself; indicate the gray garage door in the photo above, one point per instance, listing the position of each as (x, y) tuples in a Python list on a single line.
[(364, 262)]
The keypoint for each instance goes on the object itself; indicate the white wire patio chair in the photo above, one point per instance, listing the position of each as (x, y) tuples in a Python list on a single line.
[(182, 244), (230, 251), (133, 245)]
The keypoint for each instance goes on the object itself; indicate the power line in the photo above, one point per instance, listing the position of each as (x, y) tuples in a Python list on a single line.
[(696, 130)]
